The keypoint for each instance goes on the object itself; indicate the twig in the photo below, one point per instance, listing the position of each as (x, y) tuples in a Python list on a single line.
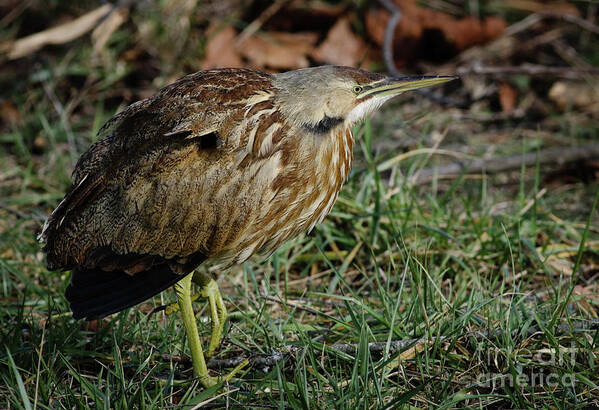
[(389, 34), (267, 362), (572, 73), (258, 22), (263, 363), (559, 156), (380, 347), (585, 24), (522, 25), (61, 34), (16, 11), (537, 17)]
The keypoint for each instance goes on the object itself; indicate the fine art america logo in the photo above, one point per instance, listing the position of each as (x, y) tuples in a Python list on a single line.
[(529, 367)]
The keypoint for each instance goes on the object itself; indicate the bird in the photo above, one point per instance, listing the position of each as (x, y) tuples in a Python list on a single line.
[(216, 167)]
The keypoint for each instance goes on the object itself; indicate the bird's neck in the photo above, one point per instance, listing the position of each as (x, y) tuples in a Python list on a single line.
[(334, 162)]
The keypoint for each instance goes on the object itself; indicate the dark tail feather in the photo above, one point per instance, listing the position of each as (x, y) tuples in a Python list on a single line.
[(94, 293)]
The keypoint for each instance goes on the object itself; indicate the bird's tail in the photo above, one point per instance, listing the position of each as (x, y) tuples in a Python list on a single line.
[(95, 293)]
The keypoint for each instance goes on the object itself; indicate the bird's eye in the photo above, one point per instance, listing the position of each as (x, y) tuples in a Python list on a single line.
[(357, 89)]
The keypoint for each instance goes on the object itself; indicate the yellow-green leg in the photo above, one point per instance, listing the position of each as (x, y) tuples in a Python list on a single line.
[(209, 289), (218, 311), (200, 370)]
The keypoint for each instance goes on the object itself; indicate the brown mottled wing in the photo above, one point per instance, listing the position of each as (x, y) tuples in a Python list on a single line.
[(122, 222)]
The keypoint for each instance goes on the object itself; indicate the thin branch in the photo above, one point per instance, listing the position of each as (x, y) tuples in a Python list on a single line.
[(389, 35), (533, 19), (265, 363), (582, 23), (255, 25), (260, 362), (522, 25), (560, 155)]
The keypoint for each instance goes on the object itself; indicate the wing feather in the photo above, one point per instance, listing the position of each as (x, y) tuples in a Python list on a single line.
[(141, 178)]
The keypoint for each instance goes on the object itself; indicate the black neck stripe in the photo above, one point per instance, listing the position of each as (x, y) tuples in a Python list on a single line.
[(325, 125)]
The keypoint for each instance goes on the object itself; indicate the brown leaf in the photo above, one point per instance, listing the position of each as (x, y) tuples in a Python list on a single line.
[(10, 114), (467, 32), (58, 35), (220, 50), (431, 34), (571, 94), (584, 294), (559, 265), (341, 46), (279, 50), (507, 97)]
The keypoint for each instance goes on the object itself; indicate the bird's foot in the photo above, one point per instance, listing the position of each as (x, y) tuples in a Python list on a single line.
[(209, 381), (218, 311)]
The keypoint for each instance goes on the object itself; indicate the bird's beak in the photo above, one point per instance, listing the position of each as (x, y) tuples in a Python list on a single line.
[(398, 85)]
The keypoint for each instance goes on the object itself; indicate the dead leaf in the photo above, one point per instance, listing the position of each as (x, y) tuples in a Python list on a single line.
[(279, 50), (341, 46), (584, 294), (431, 34), (571, 94), (102, 33), (507, 97), (220, 50), (58, 35), (10, 114), (559, 265), (39, 143), (467, 32)]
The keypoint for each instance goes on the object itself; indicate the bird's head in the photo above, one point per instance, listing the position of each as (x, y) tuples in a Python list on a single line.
[(319, 98)]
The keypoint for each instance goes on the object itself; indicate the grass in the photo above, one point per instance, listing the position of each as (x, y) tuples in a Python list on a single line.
[(439, 267), (490, 279)]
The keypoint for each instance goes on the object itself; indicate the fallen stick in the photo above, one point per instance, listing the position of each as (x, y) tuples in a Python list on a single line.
[(265, 363), (554, 156), (58, 35)]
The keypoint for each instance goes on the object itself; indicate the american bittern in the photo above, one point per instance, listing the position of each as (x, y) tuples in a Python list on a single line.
[(213, 168)]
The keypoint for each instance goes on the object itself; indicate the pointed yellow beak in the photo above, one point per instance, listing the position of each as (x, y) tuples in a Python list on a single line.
[(398, 85)]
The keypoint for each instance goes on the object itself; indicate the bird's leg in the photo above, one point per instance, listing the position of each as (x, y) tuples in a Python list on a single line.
[(209, 290), (218, 311), (200, 370)]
